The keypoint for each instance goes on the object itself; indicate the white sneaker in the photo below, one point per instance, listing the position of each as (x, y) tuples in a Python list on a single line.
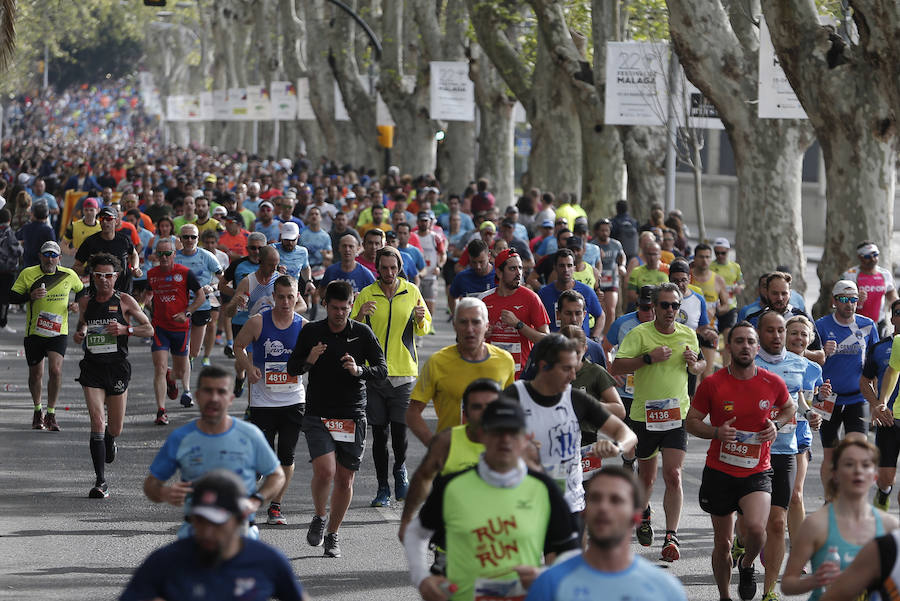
[(8, 330)]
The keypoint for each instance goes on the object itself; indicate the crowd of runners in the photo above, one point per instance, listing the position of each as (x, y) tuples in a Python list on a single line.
[(588, 353)]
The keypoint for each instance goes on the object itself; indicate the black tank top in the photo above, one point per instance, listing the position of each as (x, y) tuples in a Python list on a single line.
[(98, 345)]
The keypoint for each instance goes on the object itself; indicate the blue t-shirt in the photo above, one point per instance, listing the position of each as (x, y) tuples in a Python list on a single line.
[(360, 277), (550, 294), (844, 367), (575, 580), (548, 246), (416, 254), (145, 237), (591, 254), (272, 231), (594, 353), (242, 449), (468, 283), (204, 264), (465, 222), (242, 270), (252, 205), (616, 334), (293, 219), (295, 260), (409, 265), (258, 571), (877, 359), (792, 369), (315, 243), (750, 309)]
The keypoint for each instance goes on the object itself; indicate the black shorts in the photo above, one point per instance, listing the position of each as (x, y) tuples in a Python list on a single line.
[(140, 286), (200, 318), (283, 422), (235, 330), (727, 320), (37, 347), (448, 271), (649, 442), (721, 493), (851, 416), (887, 439), (112, 378), (784, 471), (320, 442)]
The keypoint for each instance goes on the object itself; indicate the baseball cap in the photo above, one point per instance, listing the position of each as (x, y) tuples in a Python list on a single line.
[(723, 242), (210, 178), (546, 223), (488, 225), (50, 245), (646, 297), (289, 231), (423, 215), (390, 235), (233, 216), (217, 496), (220, 211), (90, 202), (507, 223), (580, 227), (679, 267), (108, 212), (24, 178), (504, 256), (266, 203), (574, 242), (512, 209), (844, 287), (197, 194), (503, 415)]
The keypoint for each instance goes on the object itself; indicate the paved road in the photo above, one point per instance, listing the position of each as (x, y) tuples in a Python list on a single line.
[(55, 543)]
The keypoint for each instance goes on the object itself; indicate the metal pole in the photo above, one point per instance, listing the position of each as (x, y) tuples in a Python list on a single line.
[(46, 66), (672, 128), (255, 144)]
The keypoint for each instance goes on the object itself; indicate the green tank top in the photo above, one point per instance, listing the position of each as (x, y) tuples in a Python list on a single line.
[(463, 452), (586, 276)]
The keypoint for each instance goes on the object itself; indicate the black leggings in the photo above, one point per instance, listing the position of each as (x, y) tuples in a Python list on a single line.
[(6, 282), (380, 449)]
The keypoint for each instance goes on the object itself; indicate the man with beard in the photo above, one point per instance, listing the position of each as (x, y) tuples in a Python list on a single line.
[(217, 561), (778, 299), (118, 244), (215, 440), (478, 278), (516, 315), (739, 402), (613, 502)]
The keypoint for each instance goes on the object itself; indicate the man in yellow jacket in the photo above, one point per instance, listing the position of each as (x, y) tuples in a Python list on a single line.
[(396, 312)]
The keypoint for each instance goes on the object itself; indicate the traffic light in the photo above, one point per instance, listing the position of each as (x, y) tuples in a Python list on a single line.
[(386, 136)]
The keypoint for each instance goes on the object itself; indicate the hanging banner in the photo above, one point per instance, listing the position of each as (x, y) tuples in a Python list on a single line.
[(305, 110), (259, 104), (221, 110), (175, 109), (284, 101), (207, 113), (452, 92), (237, 104), (519, 114), (636, 78), (777, 99), (192, 108)]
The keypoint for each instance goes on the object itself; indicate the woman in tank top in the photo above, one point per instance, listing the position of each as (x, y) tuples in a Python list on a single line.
[(844, 525)]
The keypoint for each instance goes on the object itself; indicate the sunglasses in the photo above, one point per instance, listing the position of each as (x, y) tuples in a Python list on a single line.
[(254, 247), (668, 305), (50, 254), (188, 237), (719, 253), (105, 276), (107, 218), (896, 312), (870, 256), (846, 299), (165, 253)]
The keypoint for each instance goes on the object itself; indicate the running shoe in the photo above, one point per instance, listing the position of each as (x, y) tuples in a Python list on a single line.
[(220, 340), (100, 491), (383, 497), (50, 422), (746, 582), (111, 448), (331, 545), (645, 533), (162, 418), (401, 483), (737, 549), (771, 596), (229, 351), (316, 533), (238, 386), (275, 517), (206, 362), (37, 422), (247, 414), (171, 386), (882, 500), (670, 548), (187, 400)]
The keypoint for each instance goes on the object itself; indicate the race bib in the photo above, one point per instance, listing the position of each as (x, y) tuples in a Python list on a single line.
[(317, 271), (590, 464), (277, 378), (663, 415), (498, 590), (48, 324), (629, 384), (606, 278), (98, 341), (825, 407), (744, 451), (513, 348), (341, 430)]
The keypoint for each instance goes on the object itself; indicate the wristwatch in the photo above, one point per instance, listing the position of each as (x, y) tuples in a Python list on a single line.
[(130, 331), (258, 497), (188, 314), (648, 359), (520, 324)]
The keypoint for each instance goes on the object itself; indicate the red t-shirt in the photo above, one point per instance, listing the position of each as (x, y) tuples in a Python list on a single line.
[(722, 396), (170, 295), (527, 306)]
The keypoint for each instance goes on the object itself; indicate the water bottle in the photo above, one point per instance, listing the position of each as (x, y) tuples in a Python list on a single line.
[(448, 587), (833, 557)]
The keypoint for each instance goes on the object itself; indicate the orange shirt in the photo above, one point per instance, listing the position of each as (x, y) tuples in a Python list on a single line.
[(236, 244)]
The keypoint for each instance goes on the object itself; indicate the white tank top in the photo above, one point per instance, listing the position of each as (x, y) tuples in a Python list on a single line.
[(556, 429)]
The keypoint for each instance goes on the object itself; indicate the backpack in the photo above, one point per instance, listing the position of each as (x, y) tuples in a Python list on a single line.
[(10, 250)]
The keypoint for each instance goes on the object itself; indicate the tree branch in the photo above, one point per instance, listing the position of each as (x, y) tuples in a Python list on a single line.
[(490, 28)]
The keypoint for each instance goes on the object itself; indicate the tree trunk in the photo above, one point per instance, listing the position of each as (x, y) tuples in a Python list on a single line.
[(456, 158), (321, 86), (697, 169), (495, 159), (645, 156)]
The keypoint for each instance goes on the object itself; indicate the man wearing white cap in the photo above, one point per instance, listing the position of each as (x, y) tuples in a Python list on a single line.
[(266, 223), (845, 337), (875, 283), (294, 258)]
